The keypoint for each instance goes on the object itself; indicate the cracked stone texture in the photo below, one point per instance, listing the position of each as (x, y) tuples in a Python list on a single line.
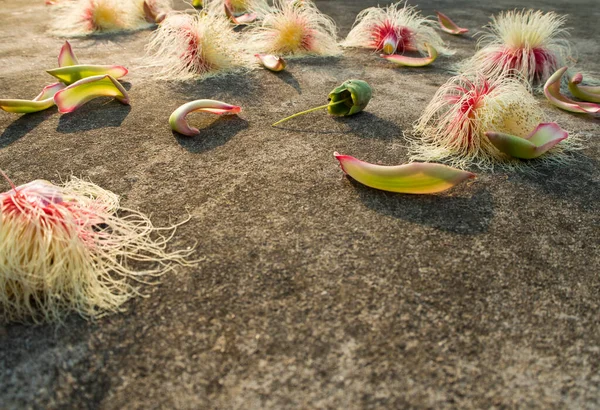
[(313, 292)]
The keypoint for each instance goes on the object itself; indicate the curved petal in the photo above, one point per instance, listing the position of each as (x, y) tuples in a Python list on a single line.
[(414, 178), (42, 102), (539, 141), (449, 26), (73, 73), (82, 91), (49, 91), (552, 93), (271, 62), (246, 18), (412, 61), (25, 106), (583, 92), (67, 57), (178, 122)]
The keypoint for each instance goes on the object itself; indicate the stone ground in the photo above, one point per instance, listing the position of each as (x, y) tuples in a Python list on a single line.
[(314, 292)]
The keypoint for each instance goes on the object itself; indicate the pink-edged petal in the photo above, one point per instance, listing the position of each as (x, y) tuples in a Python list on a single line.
[(449, 26), (246, 18), (271, 62), (49, 91), (552, 93), (43, 101), (583, 92), (178, 122), (539, 141), (414, 178), (413, 61), (25, 106), (82, 91), (67, 57), (71, 74)]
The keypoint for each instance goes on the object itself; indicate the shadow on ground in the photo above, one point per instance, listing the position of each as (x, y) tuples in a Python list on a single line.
[(99, 113), (23, 125), (467, 215), (216, 134)]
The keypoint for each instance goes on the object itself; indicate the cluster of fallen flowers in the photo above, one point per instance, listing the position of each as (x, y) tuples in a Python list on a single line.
[(79, 83), (64, 248)]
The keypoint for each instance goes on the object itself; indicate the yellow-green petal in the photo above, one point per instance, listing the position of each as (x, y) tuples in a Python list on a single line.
[(552, 93), (67, 57), (73, 73), (82, 91), (538, 142), (414, 178), (42, 102)]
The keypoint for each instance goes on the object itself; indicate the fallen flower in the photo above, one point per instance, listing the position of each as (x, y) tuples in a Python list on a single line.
[(42, 102), (195, 46), (449, 26), (82, 91), (413, 61), (394, 30), (538, 142), (271, 62), (71, 74), (452, 127), (179, 124), (414, 178), (348, 99), (527, 44), (583, 92), (552, 93), (290, 29), (73, 248)]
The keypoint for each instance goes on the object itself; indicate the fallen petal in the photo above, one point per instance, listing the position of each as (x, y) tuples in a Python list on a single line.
[(583, 92), (42, 102), (73, 73), (82, 91), (449, 26), (552, 93), (246, 18), (271, 62), (178, 122), (67, 57), (412, 61), (414, 178), (25, 106), (539, 141)]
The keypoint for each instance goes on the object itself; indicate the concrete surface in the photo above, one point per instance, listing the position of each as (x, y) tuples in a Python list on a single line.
[(314, 292)]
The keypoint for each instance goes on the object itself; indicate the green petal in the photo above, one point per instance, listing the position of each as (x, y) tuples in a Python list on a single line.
[(42, 102), (538, 142), (71, 74), (77, 94), (552, 93), (67, 57), (414, 178), (583, 92)]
